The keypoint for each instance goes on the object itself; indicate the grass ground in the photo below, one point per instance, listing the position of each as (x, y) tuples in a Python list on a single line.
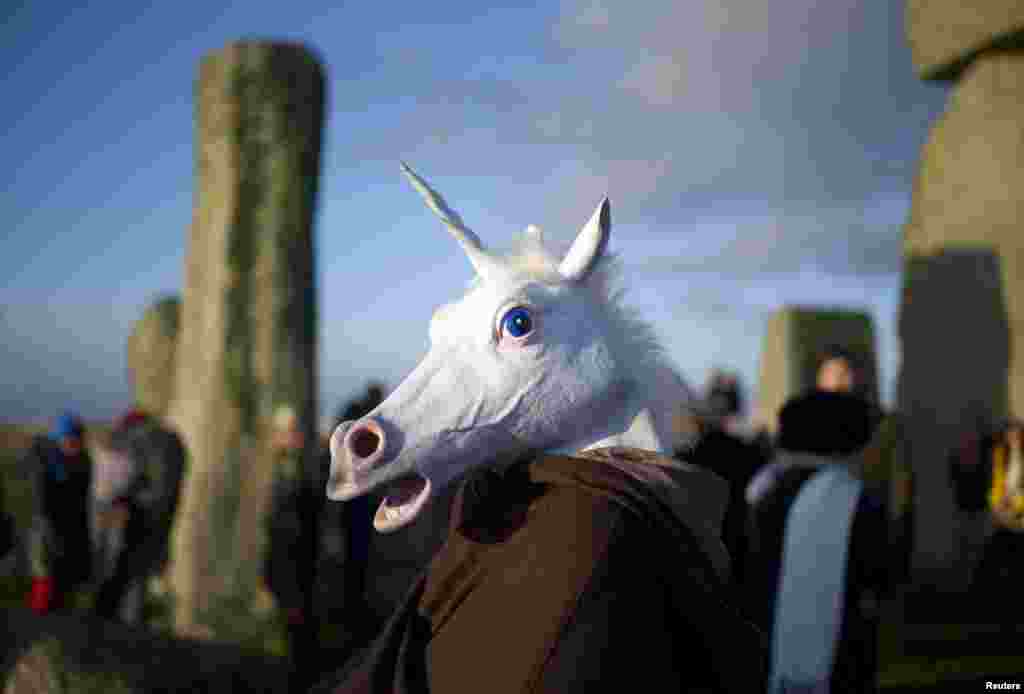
[(257, 632), (17, 499), (261, 636), (918, 655), (80, 655)]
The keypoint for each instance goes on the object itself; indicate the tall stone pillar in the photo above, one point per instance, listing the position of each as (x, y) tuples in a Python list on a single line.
[(247, 343), (151, 355), (793, 344), (962, 311)]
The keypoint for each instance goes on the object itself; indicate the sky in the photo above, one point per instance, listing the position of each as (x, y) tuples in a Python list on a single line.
[(756, 155)]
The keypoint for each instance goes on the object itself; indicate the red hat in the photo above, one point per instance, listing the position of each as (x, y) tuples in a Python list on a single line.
[(130, 418)]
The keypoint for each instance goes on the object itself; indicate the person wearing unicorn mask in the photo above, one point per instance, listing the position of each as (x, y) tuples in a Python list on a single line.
[(59, 542), (579, 556), (815, 574)]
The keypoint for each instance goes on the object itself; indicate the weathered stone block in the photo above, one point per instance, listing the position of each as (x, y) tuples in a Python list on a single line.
[(962, 311), (247, 342), (794, 342), (946, 35), (151, 349)]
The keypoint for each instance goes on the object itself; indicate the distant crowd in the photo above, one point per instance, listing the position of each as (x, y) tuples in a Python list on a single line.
[(104, 503), (817, 528), (820, 521)]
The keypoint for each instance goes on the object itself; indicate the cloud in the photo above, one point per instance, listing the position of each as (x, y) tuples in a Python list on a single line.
[(839, 242), (659, 80), (678, 110), (714, 54), (740, 139), (593, 15)]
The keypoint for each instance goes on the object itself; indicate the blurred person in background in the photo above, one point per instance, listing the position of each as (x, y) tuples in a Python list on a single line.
[(290, 563), (723, 396), (59, 544), (815, 573), (116, 525), (840, 370), (8, 534), (836, 371), (987, 474), (718, 449), (355, 517), (146, 464), (886, 469)]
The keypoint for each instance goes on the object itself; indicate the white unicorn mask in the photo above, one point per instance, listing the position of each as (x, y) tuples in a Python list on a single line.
[(538, 356)]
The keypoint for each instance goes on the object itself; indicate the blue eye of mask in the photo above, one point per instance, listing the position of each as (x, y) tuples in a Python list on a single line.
[(517, 322)]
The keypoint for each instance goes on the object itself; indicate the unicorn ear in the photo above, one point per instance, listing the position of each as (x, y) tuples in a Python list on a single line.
[(589, 246)]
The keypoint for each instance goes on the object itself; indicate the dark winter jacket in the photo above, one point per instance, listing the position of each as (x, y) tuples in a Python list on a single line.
[(292, 532), (600, 572), (7, 530), (736, 461), (59, 541), (162, 458)]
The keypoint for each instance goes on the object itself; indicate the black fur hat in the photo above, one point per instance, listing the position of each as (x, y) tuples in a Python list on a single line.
[(825, 423)]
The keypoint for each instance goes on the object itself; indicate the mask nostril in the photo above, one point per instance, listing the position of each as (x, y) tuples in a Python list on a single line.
[(364, 442)]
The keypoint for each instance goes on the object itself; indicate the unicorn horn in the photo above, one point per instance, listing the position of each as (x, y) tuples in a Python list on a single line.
[(482, 261)]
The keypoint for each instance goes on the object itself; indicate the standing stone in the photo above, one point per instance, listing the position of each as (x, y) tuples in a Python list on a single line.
[(962, 312), (248, 326), (795, 341), (945, 35), (151, 349)]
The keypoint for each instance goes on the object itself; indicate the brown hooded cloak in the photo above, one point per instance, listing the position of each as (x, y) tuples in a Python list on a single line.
[(570, 574)]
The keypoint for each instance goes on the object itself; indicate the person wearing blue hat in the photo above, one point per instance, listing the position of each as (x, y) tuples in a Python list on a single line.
[(59, 542)]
